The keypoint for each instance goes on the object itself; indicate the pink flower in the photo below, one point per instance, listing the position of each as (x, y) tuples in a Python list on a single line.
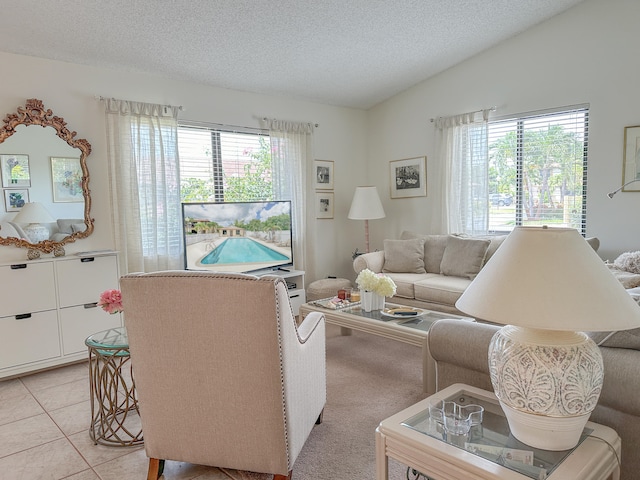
[(111, 301)]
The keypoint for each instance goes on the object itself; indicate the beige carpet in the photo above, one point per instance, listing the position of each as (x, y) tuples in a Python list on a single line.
[(369, 378)]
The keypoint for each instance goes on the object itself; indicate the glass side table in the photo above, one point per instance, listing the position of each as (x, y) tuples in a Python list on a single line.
[(115, 418), (488, 451)]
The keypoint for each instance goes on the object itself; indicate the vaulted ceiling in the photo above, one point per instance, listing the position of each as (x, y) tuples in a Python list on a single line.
[(353, 53)]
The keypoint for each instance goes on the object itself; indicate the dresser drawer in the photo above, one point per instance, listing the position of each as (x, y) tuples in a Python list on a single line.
[(82, 280), (27, 288), (29, 339), (77, 323)]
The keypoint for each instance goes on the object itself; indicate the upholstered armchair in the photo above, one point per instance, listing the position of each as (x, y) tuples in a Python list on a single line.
[(223, 374)]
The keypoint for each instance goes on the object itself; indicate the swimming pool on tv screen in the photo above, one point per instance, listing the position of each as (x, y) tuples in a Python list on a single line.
[(241, 250)]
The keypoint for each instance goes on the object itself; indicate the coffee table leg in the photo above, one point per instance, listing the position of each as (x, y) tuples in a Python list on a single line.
[(382, 461)]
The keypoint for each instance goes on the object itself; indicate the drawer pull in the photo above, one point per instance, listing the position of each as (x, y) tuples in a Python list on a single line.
[(91, 305), (18, 266), (87, 259), (23, 316), (294, 296)]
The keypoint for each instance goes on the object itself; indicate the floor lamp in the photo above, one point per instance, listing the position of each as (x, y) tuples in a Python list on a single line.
[(366, 206)]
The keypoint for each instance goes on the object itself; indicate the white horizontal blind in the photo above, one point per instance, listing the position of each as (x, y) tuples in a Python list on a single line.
[(211, 157), (538, 170)]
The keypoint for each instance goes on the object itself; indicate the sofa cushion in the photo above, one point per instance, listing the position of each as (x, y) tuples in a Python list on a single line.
[(440, 289), (404, 256), (434, 246), (405, 282), (464, 257)]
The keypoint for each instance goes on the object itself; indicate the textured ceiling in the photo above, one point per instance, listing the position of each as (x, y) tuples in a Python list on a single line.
[(353, 53)]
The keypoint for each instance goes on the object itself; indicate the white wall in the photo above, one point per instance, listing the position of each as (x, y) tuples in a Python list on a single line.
[(586, 55), (69, 90)]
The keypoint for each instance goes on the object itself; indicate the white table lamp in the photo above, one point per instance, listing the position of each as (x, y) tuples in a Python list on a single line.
[(366, 206), (547, 286), (34, 214)]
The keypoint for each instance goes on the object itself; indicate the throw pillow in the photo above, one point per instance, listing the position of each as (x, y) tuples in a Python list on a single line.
[(627, 279), (78, 227), (628, 261), (404, 256), (434, 246), (64, 224), (463, 257)]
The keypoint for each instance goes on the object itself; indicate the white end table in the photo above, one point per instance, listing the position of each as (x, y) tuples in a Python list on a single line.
[(413, 439)]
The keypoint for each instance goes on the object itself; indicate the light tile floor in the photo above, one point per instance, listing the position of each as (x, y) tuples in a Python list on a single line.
[(44, 434)]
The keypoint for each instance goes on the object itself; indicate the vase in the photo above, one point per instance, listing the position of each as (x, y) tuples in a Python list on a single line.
[(371, 301), (379, 301)]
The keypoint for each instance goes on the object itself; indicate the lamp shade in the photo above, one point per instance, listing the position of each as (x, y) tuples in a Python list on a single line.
[(547, 285), (550, 279), (366, 204), (33, 213)]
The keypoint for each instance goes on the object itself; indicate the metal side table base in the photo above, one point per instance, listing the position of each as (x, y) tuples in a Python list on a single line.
[(115, 420)]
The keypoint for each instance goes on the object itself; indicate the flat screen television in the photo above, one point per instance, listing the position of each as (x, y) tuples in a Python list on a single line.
[(237, 236)]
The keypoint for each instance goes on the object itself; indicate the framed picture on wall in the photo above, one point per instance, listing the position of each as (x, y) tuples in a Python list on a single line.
[(323, 171), (324, 204), (15, 171), (15, 199), (408, 177), (631, 162), (66, 179)]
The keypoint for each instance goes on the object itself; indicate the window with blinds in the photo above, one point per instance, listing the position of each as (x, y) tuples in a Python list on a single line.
[(538, 170), (219, 164)]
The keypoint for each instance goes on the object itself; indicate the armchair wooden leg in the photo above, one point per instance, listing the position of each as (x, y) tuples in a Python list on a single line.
[(282, 477), (319, 420), (156, 467)]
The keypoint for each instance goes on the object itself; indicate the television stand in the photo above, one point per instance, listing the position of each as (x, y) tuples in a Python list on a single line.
[(295, 285)]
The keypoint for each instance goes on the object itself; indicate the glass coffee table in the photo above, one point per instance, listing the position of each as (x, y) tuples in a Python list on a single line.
[(488, 451), (412, 329)]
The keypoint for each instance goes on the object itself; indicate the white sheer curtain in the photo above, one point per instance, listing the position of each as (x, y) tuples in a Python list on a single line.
[(463, 152), (291, 152), (142, 148)]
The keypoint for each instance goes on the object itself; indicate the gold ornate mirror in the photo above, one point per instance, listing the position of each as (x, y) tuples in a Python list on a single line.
[(43, 164)]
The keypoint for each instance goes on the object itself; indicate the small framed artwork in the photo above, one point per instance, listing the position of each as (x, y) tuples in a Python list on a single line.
[(324, 204), (408, 177), (14, 200), (323, 170), (15, 171), (66, 178), (631, 162)]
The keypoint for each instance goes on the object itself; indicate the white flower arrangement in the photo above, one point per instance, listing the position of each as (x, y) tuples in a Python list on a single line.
[(376, 283)]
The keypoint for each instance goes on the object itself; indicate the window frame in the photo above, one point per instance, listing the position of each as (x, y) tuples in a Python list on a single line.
[(216, 158), (521, 130)]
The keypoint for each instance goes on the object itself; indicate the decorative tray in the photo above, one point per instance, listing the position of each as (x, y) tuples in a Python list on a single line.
[(403, 312), (334, 303)]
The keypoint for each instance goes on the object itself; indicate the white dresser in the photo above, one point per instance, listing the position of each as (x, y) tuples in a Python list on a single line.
[(48, 308)]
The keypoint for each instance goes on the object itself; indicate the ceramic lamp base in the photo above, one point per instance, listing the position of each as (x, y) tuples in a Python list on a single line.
[(36, 232), (546, 433), (548, 382)]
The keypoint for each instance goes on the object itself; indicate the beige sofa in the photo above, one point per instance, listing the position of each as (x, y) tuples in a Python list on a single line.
[(459, 350), (430, 271)]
